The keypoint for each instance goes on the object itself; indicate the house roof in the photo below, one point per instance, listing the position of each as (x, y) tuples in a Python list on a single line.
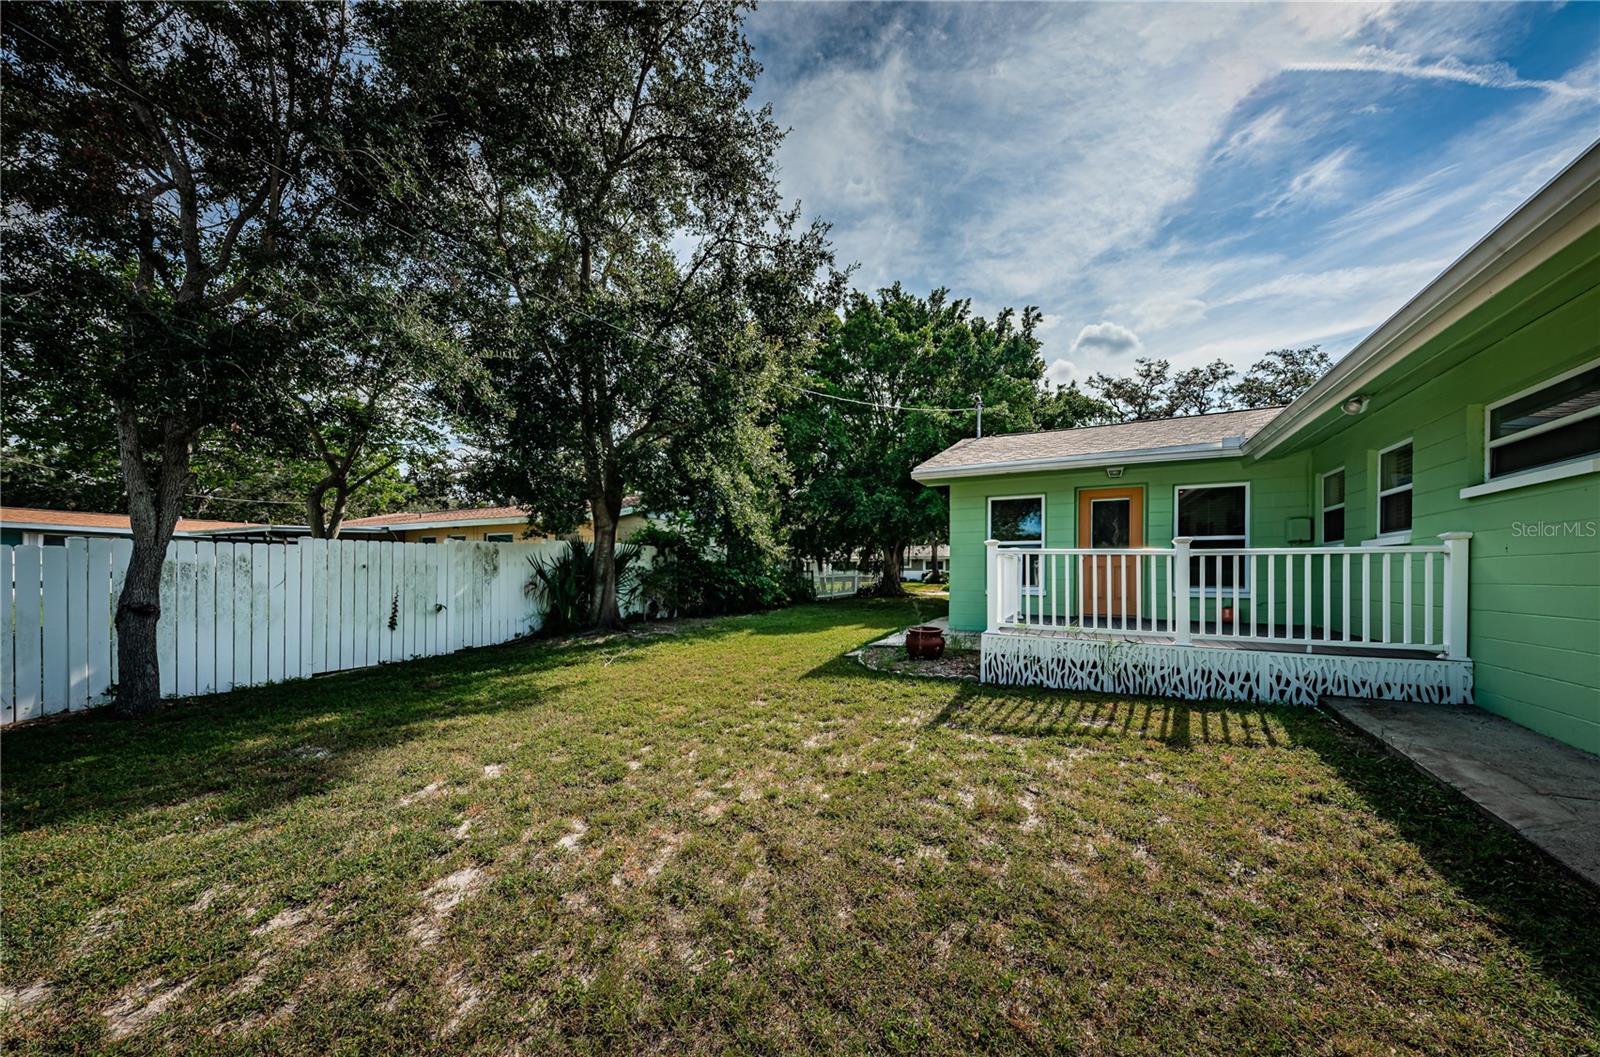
[(478, 515), (40, 519), (1161, 440)]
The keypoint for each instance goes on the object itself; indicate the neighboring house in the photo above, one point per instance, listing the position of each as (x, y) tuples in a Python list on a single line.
[(494, 524), (33, 525), (1423, 523)]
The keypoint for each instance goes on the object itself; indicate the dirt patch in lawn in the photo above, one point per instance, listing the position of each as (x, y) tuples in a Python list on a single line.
[(955, 664)]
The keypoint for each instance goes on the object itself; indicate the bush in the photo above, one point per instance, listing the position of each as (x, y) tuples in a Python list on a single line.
[(685, 580)]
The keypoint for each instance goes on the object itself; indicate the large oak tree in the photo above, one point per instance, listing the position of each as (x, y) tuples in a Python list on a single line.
[(165, 164), (612, 196)]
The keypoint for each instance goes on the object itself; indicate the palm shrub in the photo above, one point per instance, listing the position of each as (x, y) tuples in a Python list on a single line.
[(565, 583)]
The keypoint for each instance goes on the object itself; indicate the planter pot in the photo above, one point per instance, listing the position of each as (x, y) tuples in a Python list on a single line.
[(925, 642)]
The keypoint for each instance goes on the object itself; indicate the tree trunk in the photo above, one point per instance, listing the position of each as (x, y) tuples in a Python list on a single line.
[(605, 511), (153, 515), (889, 585)]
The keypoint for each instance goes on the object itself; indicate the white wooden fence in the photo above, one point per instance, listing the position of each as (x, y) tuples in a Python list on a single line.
[(243, 614)]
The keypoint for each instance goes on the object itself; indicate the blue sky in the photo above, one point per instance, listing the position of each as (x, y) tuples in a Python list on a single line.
[(1191, 181)]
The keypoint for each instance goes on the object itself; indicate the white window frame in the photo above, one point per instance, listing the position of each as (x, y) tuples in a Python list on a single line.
[(1489, 444), (1212, 591), (499, 537), (1027, 589), (1043, 522), (1322, 500), (427, 539), (1111, 499), (456, 538), (1402, 537)]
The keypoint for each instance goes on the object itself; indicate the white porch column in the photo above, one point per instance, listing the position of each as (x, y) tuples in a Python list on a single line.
[(1180, 590), (992, 588), (1457, 548)]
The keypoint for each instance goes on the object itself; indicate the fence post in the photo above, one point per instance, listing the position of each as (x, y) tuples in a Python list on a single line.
[(994, 591), (1457, 547), (1180, 590)]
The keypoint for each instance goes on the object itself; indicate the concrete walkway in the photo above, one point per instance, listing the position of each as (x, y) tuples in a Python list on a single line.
[(1547, 792)]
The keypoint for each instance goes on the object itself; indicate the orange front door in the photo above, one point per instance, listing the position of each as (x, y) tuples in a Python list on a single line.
[(1110, 519)]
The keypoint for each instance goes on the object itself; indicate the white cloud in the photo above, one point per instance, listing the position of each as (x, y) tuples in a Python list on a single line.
[(1057, 164), (1323, 181), (1372, 59), (1267, 129), (1108, 339), (1061, 372)]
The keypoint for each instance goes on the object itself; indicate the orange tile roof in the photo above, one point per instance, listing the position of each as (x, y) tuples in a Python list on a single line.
[(435, 517), (26, 515), (476, 513)]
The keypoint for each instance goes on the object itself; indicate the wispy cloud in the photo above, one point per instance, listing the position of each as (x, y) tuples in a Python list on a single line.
[(1373, 59), (1322, 181), (1213, 180)]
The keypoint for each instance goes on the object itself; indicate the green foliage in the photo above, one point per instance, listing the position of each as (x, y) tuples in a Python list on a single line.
[(1154, 391), (564, 583), (852, 462), (686, 580), (638, 281)]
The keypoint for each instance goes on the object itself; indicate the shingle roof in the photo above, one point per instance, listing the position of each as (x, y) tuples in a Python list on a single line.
[(27, 515), (1092, 445)]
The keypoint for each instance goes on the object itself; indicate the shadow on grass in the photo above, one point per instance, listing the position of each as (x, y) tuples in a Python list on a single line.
[(257, 747), (1552, 918), (1178, 724)]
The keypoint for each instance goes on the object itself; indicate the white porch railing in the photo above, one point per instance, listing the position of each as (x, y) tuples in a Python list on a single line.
[(1363, 597)]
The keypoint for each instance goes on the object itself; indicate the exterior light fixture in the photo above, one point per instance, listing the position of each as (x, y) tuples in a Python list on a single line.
[(1355, 405), (1113, 472)]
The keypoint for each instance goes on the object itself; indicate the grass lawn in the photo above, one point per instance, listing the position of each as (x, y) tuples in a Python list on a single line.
[(735, 839)]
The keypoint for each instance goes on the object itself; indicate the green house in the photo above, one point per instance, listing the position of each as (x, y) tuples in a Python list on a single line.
[(1422, 524)]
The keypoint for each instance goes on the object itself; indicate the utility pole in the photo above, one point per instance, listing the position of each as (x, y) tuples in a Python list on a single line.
[(979, 399)]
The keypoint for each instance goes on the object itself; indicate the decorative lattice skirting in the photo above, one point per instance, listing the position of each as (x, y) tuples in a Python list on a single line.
[(1199, 673)]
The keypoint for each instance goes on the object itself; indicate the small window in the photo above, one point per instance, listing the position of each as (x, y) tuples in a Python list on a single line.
[(457, 539), (1333, 506), (1550, 425), (427, 539), (1394, 489), (1017, 521), (499, 537), (1215, 517)]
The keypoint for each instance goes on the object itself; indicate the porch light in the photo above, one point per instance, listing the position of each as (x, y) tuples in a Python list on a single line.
[(1113, 472), (1355, 405)]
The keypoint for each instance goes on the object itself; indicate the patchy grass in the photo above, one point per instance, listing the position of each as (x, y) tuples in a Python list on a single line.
[(734, 839)]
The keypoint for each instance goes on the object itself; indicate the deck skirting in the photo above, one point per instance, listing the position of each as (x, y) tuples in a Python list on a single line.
[(1199, 673)]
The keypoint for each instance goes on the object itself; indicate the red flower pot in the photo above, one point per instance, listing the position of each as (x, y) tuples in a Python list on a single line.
[(925, 642)]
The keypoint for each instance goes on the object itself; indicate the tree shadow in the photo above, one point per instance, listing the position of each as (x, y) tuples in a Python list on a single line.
[(262, 747), (1550, 915)]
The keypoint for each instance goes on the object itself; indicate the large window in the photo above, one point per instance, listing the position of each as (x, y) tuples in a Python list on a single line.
[(1552, 424), (1215, 517), (1017, 521), (1394, 489), (1333, 506)]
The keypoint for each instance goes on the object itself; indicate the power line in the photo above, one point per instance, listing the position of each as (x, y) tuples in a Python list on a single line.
[(554, 303)]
